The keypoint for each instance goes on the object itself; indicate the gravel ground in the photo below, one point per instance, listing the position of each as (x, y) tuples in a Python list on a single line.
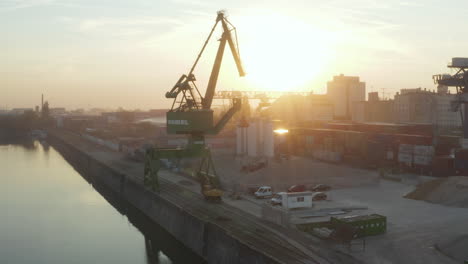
[(451, 191), (414, 228), (417, 232)]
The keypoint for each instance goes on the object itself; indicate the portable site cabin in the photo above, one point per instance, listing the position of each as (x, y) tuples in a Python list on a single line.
[(294, 200)]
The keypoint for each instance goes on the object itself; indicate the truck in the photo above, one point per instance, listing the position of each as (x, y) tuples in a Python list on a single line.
[(293, 200)]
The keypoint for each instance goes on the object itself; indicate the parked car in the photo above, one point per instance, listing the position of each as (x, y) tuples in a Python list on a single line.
[(321, 188), (319, 196), (297, 188), (263, 192), (254, 166), (277, 199)]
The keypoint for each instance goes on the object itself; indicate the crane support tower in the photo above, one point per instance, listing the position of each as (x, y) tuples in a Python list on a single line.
[(191, 115), (460, 81)]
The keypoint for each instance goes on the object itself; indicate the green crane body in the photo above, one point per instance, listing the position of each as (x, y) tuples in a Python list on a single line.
[(192, 115)]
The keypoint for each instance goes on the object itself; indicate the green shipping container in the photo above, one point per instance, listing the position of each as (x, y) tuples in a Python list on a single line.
[(369, 225)]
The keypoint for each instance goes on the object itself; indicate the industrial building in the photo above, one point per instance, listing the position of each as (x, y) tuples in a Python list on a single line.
[(410, 106), (424, 106), (373, 110), (343, 91), (297, 107), (320, 107)]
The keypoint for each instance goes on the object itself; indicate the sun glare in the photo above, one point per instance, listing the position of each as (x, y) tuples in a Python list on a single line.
[(281, 53), (281, 131)]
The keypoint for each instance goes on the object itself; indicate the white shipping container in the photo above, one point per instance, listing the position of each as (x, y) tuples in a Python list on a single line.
[(405, 158), (423, 150), (422, 160), (405, 148), (464, 143)]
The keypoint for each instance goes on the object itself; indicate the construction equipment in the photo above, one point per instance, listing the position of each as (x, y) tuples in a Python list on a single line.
[(460, 81), (191, 115)]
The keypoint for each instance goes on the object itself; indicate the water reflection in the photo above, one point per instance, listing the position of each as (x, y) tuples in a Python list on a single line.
[(26, 143), (45, 146), (50, 215)]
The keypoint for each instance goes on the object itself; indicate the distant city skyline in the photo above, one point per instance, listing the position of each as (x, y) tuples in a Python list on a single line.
[(110, 54)]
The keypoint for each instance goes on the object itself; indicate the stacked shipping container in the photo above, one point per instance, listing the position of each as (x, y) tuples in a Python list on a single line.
[(372, 148)]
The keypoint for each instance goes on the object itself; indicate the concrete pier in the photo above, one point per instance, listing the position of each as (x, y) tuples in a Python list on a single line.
[(217, 232)]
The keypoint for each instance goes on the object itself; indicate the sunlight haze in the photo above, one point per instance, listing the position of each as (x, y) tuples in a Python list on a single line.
[(84, 54)]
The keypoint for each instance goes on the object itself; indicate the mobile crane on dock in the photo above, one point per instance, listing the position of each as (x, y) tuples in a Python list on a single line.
[(191, 115)]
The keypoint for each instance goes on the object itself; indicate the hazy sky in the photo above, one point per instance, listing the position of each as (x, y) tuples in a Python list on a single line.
[(91, 53)]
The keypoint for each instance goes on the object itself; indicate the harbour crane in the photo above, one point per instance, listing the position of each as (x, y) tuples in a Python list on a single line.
[(191, 115), (460, 81)]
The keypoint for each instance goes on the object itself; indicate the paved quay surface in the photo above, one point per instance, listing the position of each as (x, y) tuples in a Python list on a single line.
[(282, 244)]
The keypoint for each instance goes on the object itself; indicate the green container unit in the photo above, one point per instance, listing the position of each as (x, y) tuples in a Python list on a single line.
[(189, 122), (309, 227), (369, 225)]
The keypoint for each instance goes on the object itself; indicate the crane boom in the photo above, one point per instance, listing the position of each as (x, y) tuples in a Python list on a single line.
[(226, 37)]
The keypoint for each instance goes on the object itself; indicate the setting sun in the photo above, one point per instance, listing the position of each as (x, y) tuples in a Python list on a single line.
[(281, 131), (282, 53)]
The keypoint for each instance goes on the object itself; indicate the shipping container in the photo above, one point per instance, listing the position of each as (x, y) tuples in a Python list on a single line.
[(406, 148), (448, 140), (340, 126), (386, 128), (405, 158), (386, 139), (329, 156), (422, 160), (376, 154), (423, 129), (423, 150), (443, 166), (464, 143), (413, 139), (461, 161), (355, 143)]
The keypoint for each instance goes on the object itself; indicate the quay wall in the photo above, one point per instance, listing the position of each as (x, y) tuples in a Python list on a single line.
[(208, 240)]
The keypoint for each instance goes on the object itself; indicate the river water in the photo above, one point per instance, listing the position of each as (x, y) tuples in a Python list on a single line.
[(51, 214)]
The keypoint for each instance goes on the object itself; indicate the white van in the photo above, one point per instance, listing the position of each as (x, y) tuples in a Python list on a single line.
[(293, 200), (263, 192)]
